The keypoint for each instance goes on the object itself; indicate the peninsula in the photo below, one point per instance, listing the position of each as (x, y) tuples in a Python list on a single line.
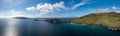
[(110, 20)]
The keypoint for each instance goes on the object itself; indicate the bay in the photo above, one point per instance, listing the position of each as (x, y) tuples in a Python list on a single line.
[(29, 27)]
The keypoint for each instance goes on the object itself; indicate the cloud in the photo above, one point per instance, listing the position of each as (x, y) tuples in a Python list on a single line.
[(50, 8), (13, 2), (1, 14), (47, 7), (80, 4), (14, 13), (114, 7), (11, 13), (31, 9), (103, 9), (108, 9)]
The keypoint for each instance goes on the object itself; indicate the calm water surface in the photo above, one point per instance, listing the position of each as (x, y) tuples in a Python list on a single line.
[(29, 27)]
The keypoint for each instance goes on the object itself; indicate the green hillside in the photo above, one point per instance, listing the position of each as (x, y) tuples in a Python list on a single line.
[(106, 19)]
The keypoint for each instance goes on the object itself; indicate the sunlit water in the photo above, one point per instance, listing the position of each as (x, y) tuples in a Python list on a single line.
[(11, 28), (29, 27)]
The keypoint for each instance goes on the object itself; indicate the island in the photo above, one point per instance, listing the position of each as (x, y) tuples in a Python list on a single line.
[(57, 20), (21, 18), (54, 20)]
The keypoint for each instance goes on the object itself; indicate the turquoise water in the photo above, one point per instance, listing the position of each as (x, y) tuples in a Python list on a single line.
[(29, 27)]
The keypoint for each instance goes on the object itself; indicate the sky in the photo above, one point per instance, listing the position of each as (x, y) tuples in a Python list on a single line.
[(56, 8)]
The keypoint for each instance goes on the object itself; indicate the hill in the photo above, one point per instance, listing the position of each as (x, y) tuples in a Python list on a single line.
[(111, 20)]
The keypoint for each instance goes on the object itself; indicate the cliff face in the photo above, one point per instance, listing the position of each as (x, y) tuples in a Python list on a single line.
[(110, 20)]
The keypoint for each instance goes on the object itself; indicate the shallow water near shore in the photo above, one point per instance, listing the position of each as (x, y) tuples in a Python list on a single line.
[(29, 27)]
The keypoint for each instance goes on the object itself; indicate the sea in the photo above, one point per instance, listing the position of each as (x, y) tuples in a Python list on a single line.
[(29, 27)]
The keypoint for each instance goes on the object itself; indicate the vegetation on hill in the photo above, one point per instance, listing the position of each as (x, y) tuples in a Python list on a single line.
[(111, 20), (108, 19)]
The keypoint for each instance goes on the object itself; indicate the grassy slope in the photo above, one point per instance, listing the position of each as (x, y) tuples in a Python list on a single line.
[(111, 19)]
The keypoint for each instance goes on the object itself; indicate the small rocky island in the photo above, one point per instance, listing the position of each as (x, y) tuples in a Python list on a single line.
[(57, 20), (54, 20)]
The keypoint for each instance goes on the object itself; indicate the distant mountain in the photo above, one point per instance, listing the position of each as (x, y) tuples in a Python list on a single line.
[(111, 20), (21, 18)]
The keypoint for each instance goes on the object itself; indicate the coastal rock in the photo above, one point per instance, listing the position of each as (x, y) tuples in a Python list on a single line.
[(114, 28), (54, 20), (36, 20)]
